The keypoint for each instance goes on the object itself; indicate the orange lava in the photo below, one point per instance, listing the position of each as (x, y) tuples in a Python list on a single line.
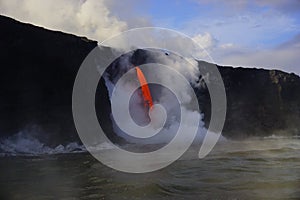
[(145, 89)]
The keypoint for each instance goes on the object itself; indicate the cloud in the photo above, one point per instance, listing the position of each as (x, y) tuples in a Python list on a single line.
[(206, 41), (240, 33), (91, 18), (283, 6), (283, 57), (243, 5), (250, 33), (249, 28), (128, 10)]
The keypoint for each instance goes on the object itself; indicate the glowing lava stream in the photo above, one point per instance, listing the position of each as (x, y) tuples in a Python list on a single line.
[(148, 103)]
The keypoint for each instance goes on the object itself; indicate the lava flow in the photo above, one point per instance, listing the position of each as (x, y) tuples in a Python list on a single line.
[(148, 103)]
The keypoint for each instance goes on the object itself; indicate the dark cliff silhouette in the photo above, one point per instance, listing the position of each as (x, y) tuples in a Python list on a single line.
[(39, 66)]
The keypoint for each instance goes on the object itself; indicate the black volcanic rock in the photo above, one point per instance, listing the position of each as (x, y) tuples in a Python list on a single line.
[(259, 102), (38, 69)]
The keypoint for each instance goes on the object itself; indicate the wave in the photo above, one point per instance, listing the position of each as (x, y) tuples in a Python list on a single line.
[(282, 137), (26, 145)]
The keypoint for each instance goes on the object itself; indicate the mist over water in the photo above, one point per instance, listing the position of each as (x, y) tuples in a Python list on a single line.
[(165, 126), (24, 144), (258, 168), (254, 168)]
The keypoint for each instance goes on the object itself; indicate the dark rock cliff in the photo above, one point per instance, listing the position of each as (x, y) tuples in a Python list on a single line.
[(38, 69), (259, 102)]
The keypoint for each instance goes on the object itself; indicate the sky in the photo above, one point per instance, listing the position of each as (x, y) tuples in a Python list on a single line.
[(257, 33)]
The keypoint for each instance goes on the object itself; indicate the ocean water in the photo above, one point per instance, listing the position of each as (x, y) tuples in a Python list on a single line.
[(258, 168)]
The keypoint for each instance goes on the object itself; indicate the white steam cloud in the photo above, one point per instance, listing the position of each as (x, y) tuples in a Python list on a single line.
[(90, 18), (166, 99)]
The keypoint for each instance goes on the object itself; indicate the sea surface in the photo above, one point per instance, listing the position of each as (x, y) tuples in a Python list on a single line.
[(258, 168)]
